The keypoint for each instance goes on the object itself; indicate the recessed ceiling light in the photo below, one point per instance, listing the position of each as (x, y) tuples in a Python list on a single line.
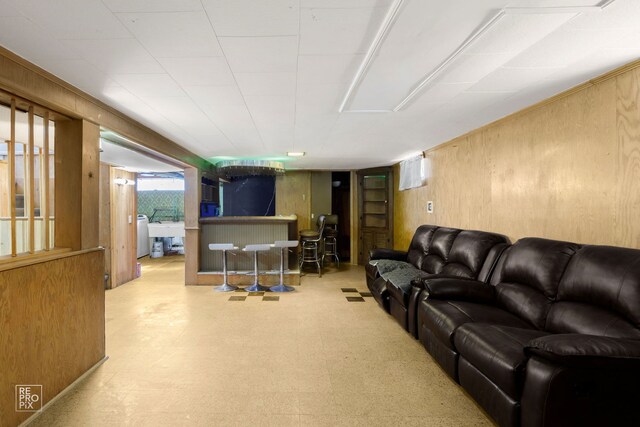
[(295, 153)]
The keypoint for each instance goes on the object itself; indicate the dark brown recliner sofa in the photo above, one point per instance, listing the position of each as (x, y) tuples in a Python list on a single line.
[(552, 340), (434, 252)]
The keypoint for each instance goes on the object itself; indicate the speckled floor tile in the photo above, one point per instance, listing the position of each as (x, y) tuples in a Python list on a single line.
[(183, 355)]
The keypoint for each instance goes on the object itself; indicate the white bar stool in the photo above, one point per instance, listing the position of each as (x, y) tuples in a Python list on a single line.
[(256, 287), (224, 247), (283, 244)]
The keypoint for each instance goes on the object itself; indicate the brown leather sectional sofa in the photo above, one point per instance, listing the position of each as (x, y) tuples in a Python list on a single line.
[(550, 338)]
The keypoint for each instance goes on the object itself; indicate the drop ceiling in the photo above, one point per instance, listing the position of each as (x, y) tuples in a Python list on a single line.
[(258, 78)]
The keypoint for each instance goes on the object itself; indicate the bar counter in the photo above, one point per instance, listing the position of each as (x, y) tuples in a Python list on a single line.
[(246, 230)]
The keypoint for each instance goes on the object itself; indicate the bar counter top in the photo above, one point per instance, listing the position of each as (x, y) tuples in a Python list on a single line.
[(247, 219)]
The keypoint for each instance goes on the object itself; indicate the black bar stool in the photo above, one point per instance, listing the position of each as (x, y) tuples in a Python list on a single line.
[(311, 240), (256, 287), (283, 245), (331, 239), (224, 247)]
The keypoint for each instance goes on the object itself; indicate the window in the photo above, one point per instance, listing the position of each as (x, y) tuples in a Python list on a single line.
[(412, 173), (27, 135)]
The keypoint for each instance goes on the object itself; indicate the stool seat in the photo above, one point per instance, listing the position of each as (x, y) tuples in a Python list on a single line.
[(256, 287), (224, 247), (257, 248), (283, 244), (309, 234)]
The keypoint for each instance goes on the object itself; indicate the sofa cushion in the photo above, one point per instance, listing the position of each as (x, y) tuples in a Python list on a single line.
[(468, 253), (443, 318), (575, 317), (498, 352), (528, 278), (602, 281), (419, 246), (438, 251)]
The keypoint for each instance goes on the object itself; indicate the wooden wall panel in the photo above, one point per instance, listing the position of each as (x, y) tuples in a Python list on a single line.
[(105, 217), (52, 326), (124, 234), (192, 197), (293, 196), (567, 169), (626, 228)]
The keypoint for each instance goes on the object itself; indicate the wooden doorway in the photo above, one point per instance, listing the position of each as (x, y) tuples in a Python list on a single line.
[(375, 205)]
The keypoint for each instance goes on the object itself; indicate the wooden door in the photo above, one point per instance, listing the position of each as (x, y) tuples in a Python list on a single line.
[(375, 203)]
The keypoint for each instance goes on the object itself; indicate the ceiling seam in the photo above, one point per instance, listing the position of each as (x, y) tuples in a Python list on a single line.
[(224, 55)]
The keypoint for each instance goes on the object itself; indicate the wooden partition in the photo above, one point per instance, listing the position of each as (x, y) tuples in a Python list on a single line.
[(293, 196), (568, 168), (51, 325)]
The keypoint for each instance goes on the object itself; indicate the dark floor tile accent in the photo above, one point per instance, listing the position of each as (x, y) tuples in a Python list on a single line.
[(270, 298), (240, 290), (366, 294), (256, 294), (355, 299), (237, 298), (349, 290)]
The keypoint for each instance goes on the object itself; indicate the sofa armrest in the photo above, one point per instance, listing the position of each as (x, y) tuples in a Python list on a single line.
[(384, 253), (459, 289), (591, 351)]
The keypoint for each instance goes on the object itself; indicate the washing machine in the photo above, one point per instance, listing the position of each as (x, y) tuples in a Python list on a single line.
[(143, 235)]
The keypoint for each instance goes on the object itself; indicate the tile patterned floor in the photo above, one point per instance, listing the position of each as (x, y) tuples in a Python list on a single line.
[(186, 356)]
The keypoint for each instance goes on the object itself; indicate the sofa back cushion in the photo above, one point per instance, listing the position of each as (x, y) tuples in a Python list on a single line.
[(528, 276), (468, 253), (438, 251), (599, 294), (419, 247)]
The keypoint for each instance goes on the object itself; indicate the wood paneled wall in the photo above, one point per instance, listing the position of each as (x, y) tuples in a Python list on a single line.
[(566, 169), (77, 184), (51, 326), (293, 196)]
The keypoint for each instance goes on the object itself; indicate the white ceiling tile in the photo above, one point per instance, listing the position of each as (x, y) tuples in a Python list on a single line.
[(208, 71), (261, 84), (83, 75), (153, 5), (508, 79), (320, 99), (553, 3), (327, 69), (90, 18), (116, 56), (149, 85), (344, 4), (472, 68), (438, 94), (251, 18), (7, 9), (173, 35), (278, 104), (37, 47), (514, 33), (215, 95), (619, 14), (262, 54), (338, 31)]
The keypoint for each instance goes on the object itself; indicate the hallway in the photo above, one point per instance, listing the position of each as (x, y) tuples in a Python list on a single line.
[(189, 356)]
